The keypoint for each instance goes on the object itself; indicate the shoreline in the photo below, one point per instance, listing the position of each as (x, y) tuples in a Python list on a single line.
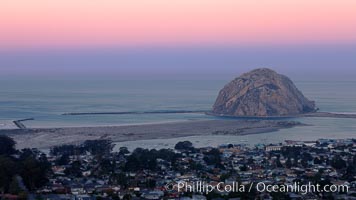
[(49, 137), (17, 124)]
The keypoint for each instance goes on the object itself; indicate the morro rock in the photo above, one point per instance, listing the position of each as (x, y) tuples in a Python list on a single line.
[(262, 93)]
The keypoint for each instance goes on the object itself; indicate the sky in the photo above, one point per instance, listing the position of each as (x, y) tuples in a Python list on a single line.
[(176, 38)]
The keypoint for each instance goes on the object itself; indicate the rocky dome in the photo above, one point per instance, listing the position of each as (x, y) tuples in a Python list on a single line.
[(261, 93)]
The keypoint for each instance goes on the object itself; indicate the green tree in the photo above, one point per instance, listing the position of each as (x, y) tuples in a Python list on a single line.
[(14, 187), (7, 172), (98, 147), (74, 169), (122, 180), (317, 161), (212, 157), (288, 163), (278, 162), (124, 151), (34, 172), (185, 145), (338, 163), (63, 160), (7, 145)]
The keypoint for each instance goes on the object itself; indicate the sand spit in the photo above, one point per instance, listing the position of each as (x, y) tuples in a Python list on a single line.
[(49, 137), (330, 115)]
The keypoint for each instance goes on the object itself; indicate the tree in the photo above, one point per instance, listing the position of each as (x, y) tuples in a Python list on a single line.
[(34, 172), (121, 179), (64, 149), (151, 183), (147, 159), (7, 172), (317, 161), (244, 168), (98, 147), (288, 163), (142, 159), (106, 166), (14, 187), (124, 151), (278, 162), (63, 160), (127, 197), (152, 164), (305, 158), (212, 157), (74, 169), (7, 145), (338, 163), (185, 145), (225, 176), (195, 166), (132, 163), (350, 171), (250, 161)]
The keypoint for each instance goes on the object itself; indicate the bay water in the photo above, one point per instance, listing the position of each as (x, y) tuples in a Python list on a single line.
[(47, 100)]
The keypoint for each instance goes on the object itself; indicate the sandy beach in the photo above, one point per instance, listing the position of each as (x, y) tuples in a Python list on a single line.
[(49, 137)]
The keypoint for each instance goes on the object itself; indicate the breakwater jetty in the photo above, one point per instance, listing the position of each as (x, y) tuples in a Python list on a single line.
[(19, 123)]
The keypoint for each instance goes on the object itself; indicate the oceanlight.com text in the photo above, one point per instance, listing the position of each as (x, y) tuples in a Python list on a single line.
[(203, 187)]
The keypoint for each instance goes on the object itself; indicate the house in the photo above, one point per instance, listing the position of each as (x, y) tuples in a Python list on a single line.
[(152, 195), (84, 197), (273, 148)]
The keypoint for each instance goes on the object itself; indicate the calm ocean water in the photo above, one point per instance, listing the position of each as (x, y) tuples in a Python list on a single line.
[(45, 101)]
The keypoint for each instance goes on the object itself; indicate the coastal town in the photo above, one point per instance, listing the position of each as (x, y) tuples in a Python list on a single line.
[(177, 100), (91, 171)]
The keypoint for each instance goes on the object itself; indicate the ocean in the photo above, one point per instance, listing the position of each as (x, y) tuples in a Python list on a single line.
[(47, 100)]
